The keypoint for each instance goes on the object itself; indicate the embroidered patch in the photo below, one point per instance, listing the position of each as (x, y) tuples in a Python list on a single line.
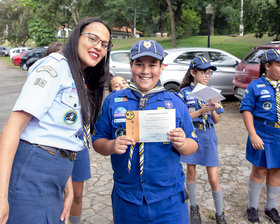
[(168, 104), (192, 109), (166, 143), (120, 99), (191, 102), (260, 85), (129, 115), (70, 117), (120, 112), (267, 105), (120, 132), (193, 134), (120, 120), (264, 92), (47, 69), (161, 108), (246, 91), (265, 96), (40, 82)]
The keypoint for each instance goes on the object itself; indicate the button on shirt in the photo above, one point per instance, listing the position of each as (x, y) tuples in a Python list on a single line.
[(259, 99), (50, 96), (193, 105), (163, 175)]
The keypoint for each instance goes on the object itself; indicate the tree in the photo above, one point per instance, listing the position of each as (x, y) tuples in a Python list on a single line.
[(172, 21)]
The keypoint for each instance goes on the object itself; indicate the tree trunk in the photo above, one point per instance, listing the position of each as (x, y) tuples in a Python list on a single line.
[(173, 30)]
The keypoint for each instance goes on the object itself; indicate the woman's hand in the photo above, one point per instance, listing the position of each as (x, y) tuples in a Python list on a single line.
[(68, 199), (4, 211), (256, 141), (205, 109)]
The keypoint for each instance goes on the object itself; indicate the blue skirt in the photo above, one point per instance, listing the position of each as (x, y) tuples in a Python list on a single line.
[(81, 169), (37, 184), (207, 152), (270, 156)]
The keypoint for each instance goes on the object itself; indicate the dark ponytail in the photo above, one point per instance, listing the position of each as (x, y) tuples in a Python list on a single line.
[(188, 79)]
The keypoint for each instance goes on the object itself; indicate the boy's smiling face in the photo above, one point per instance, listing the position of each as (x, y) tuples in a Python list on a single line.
[(145, 72)]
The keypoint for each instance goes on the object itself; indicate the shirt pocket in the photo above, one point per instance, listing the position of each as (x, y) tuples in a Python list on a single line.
[(71, 100), (119, 129)]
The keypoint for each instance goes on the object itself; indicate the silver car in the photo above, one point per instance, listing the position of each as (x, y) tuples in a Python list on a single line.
[(119, 64), (177, 61)]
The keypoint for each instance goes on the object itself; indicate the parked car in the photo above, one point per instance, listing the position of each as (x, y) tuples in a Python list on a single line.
[(119, 63), (18, 50), (17, 58), (177, 61), (32, 57), (4, 51), (248, 69)]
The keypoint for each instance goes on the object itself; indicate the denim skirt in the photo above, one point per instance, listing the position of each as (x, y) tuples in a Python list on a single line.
[(37, 184)]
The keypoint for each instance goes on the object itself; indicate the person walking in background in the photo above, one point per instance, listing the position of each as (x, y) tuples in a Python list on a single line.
[(55, 46), (204, 116), (260, 107), (39, 142), (117, 82), (148, 177)]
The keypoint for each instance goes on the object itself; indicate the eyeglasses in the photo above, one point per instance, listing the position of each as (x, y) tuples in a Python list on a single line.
[(94, 39), (204, 73)]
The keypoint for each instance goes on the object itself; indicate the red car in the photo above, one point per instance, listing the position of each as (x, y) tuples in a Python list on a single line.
[(17, 58), (248, 69)]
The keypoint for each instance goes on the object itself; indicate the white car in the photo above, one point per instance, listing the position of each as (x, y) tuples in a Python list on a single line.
[(119, 64), (18, 50), (177, 61)]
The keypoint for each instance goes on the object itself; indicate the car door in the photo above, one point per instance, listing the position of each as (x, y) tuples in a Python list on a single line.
[(119, 64), (222, 78)]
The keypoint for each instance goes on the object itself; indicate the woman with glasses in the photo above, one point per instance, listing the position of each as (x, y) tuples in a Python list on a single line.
[(49, 124), (204, 116)]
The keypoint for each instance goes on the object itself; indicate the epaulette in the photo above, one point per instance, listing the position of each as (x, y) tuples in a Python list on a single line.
[(57, 56)]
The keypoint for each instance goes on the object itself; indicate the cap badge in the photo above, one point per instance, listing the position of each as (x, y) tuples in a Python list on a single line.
[(147, 44)]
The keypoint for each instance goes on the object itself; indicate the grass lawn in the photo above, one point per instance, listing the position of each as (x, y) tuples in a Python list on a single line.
[(9, 62), (236, 45)]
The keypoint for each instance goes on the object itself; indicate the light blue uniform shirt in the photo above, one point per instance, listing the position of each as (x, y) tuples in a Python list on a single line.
[(50, 96)]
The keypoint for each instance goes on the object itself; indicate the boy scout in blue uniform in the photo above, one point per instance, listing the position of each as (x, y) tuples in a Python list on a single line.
[(148, 177)]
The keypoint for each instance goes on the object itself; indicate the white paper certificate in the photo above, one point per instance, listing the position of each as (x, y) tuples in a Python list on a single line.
[(150, 125)]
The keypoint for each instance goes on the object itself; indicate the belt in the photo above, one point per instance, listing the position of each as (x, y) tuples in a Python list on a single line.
[(272, 124), (198, 125), (53, 151)]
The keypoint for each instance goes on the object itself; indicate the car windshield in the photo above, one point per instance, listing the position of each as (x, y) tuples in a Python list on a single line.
[(187, 57), (120, 57), (220, 59), (255, 56)]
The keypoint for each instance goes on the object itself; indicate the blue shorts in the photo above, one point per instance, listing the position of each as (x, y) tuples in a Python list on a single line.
[(37, 184), (173, 209), (81, 169), (207, 152), (269, 157)]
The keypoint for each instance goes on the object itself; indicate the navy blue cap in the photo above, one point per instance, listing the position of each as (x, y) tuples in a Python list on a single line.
[(202, 63), (146, 48), (271, 55)]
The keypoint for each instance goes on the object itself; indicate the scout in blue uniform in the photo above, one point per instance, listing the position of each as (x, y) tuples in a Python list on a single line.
[(204, 116), (261, 114), (148, 177), (40, 140)]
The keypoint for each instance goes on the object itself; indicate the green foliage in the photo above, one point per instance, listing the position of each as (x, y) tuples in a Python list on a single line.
[(41, 32)]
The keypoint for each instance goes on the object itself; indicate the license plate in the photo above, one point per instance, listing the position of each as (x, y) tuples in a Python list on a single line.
[(240, 91)]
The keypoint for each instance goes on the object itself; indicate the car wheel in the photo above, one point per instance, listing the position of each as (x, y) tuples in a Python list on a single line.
[(24, 66), (172, 87)]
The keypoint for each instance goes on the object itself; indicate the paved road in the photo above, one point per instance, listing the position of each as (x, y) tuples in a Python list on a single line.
[(234, 169)]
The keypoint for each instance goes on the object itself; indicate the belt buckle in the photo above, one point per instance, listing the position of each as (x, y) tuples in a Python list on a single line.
[(276, 125), (73, 156), (200, 126)]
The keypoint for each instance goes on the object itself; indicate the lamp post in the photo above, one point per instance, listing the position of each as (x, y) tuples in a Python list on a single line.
[(209, 12)]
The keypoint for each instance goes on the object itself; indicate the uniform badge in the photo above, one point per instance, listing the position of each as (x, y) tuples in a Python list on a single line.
[(160, 108), (147, 44), (192, 109), (119, 112), (129, 115), (264, 92), (120, 99), (70, 117), (40, 82), (120, 132), (168, 104), (47, 69), (267, 106), (260, 85), (191, 102), (193, 134)]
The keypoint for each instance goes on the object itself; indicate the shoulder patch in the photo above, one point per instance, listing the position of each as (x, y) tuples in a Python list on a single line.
[(48, 69)]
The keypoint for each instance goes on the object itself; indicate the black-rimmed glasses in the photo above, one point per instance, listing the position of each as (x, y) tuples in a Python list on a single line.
[(94, 39), (204, 73)]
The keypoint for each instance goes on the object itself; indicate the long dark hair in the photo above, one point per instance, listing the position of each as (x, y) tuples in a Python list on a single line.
[(262, 68), (188, 79), (94, 77)]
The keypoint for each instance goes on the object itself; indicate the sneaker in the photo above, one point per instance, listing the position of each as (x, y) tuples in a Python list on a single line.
[(221, 219), (252, 215), (273, 215), (195, 215)]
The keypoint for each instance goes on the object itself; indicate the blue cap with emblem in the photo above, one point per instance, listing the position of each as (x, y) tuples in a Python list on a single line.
[(146, 48), (201, 63), (271, 55)]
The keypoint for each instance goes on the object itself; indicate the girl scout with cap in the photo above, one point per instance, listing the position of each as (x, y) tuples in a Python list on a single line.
[(261, 114), (148, 176), (40, 139), (204, 116)]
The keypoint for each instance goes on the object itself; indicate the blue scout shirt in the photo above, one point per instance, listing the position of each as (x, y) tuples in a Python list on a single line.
[(193, 105), (163, 175), (50, 96), (259, 99)]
